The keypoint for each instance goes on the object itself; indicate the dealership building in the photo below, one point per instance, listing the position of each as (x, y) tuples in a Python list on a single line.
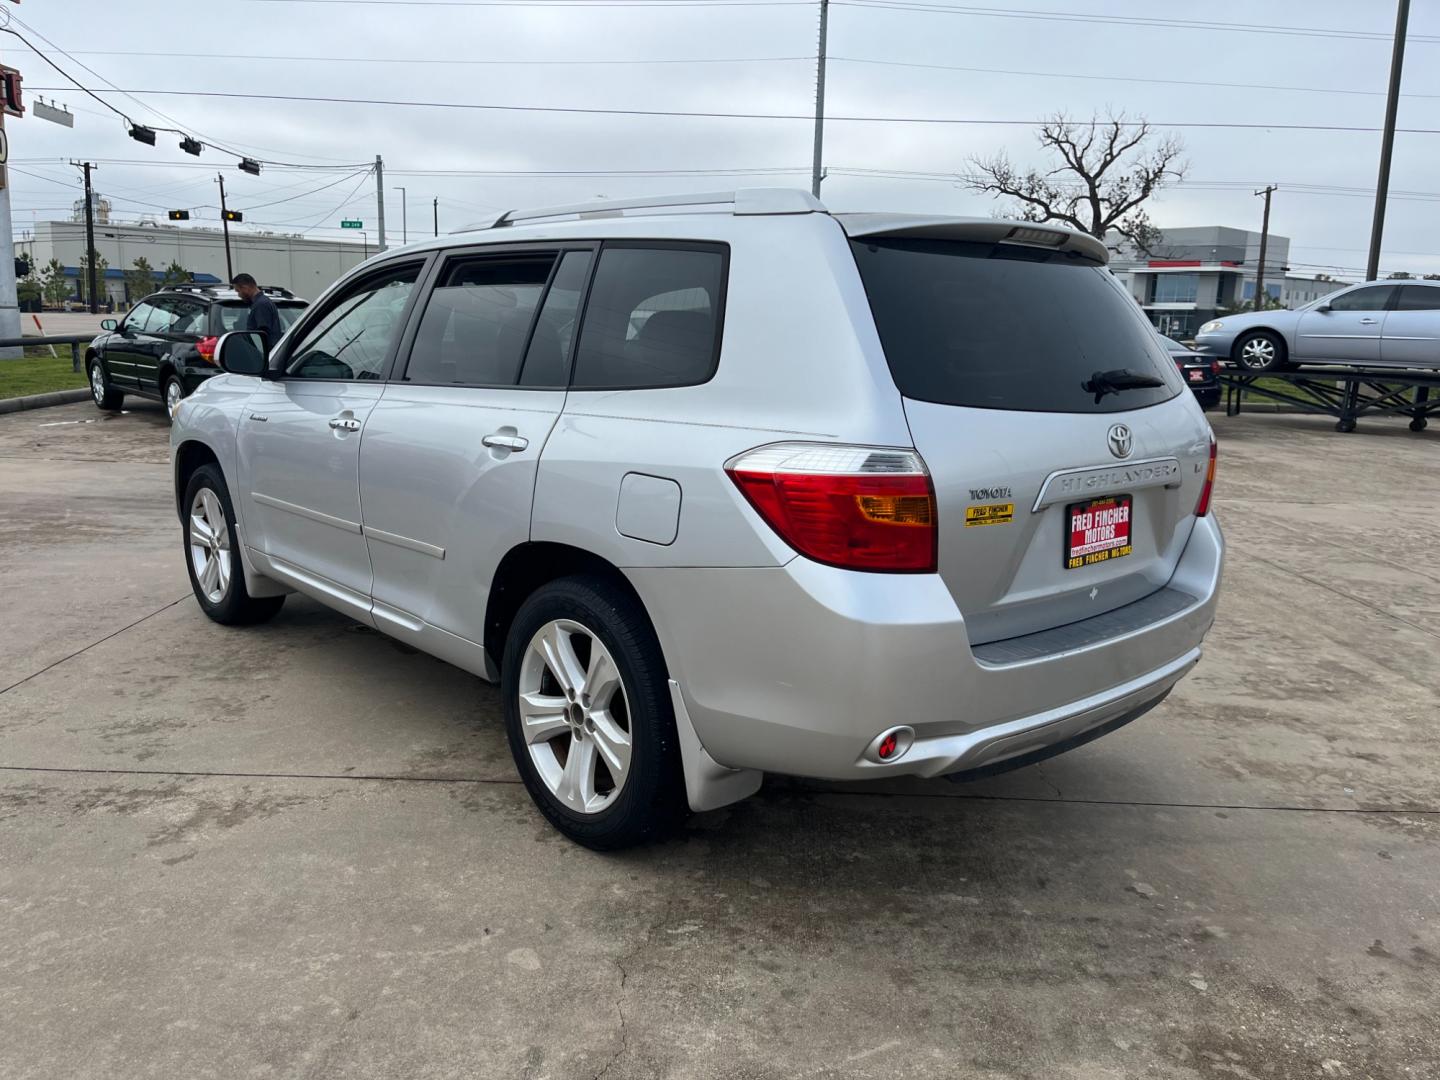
[(1190, 275), (304, 266)]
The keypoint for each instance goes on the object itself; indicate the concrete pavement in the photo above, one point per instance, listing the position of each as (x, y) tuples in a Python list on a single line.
[(301, 850)]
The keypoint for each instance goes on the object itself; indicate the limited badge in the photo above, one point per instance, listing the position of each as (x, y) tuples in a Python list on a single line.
[(990, 514)]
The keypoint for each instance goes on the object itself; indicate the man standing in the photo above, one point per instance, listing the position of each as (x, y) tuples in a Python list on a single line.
[(264, 316)]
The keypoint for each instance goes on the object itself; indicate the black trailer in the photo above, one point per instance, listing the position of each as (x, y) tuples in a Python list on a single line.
[(1344, 392)]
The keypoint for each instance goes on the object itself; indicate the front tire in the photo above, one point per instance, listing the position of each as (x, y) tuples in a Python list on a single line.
[(1260, 351), (212, 554), (589, 717), (102, 390)]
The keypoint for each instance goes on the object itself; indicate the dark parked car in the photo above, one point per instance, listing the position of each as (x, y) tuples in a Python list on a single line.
[(1197, 370), (165, 346)]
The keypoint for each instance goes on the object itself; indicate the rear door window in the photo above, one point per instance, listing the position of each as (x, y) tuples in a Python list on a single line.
[(232, 315), (653, 318), (478, 320), (997, 326), (1419, 298)]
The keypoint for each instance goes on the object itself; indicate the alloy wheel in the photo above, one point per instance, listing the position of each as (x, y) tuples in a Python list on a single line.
[(575, 716), (97, 382), (210, 545), (1258, 352), (173, 394)]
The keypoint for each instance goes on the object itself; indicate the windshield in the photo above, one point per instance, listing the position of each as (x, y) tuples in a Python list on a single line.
[(996, 326), (231, 316)]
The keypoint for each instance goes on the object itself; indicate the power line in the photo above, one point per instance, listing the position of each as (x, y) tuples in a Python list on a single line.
[(429, 60), (306, 194), (1209, 85), (1028, 14), (557, 3), (692, 114)]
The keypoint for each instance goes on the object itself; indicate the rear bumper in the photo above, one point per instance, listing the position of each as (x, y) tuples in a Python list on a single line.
[(796, 669)]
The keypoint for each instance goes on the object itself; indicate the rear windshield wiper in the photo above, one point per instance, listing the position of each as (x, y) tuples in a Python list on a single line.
[(1101, 383)]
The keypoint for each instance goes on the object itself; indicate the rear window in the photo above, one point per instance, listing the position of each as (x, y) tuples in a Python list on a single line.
[(232, 316), (995, 326)]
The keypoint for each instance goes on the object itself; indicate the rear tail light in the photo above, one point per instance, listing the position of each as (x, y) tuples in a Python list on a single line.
[(206, 348), (1203, 506), (857, 507), (1214, 367)]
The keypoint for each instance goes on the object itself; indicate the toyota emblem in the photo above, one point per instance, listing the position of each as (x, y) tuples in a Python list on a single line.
[(1121, 441)]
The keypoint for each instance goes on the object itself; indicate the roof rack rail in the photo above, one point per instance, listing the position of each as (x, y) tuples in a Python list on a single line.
[(745, 201), (188, 286)]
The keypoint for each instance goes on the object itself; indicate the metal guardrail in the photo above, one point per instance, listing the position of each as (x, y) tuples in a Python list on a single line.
[(1345, 393), (75, 341)]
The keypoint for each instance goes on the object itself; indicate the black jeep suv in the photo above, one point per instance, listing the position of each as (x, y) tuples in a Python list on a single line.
[(165, 346)]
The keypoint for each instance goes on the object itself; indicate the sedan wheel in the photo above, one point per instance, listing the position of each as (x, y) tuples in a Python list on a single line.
[(1260, 351), (210, 546), (97, 383), (575, 716)]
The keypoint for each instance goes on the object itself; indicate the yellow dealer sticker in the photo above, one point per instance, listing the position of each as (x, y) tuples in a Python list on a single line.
[(989, 514)]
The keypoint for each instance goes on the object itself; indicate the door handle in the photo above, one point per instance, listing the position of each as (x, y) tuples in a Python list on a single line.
[(1368, 322), (344, 423), (506, 442)]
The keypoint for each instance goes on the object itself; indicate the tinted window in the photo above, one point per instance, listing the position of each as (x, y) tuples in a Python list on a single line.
[(477, 321), (549, 354), (1176, 288), (189, 318), (164, 314), (653, 318), (1372, 299), (995, 326), (1419, 298), (232, 315), (352, 338)]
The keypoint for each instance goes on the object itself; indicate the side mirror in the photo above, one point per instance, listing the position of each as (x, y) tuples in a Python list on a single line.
[(241, 353), (109, 324), (1324, 309)]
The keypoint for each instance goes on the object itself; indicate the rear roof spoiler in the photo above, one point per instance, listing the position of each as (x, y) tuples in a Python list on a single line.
[(978, 230)]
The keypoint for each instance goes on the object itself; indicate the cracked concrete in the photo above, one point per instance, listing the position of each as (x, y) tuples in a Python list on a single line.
[(298, 851)]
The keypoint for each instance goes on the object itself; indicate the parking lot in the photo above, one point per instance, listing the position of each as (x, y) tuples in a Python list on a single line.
[(302, 849)]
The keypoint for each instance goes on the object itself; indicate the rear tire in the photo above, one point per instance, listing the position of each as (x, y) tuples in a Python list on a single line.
[(173, 392), (102, 390), (584, 655), (212, 554), (1260, 351)]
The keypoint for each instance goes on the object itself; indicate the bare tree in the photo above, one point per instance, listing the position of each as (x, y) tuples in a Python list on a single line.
[(1109, 168)]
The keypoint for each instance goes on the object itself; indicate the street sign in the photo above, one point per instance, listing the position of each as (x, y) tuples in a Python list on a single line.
[(62, 116), (347, 224)]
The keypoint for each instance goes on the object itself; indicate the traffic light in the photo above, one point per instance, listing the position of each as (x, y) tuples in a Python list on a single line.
[(250, 165), (142, 134), (179, 215), (190, 146), (22, 267), (233, 215)]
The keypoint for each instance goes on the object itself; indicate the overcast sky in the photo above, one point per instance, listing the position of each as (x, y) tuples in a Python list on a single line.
[(427, 52)]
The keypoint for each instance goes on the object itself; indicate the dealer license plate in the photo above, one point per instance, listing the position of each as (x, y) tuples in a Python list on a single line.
[(1099, 531)]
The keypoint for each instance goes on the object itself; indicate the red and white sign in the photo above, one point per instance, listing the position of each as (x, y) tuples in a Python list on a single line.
[(1099, 531)]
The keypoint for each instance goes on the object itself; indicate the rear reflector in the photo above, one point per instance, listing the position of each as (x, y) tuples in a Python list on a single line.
[(1203, 506), (856, 507)]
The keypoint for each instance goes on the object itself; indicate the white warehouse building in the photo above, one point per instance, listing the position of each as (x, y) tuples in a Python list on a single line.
[(304, 266)]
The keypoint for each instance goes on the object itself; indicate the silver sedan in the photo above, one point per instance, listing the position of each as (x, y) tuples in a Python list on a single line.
[(1382, 324)]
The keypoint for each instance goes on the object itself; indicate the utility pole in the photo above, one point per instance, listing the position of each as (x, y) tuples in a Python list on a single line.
[(815, 175), (1264, 243), (436, 205), (90, 257), (9, 296), (380, 200), (404, 215), (1387, 142), (225, 224)]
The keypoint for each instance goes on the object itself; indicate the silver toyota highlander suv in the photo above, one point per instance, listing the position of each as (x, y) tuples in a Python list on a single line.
[(722, 485)]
